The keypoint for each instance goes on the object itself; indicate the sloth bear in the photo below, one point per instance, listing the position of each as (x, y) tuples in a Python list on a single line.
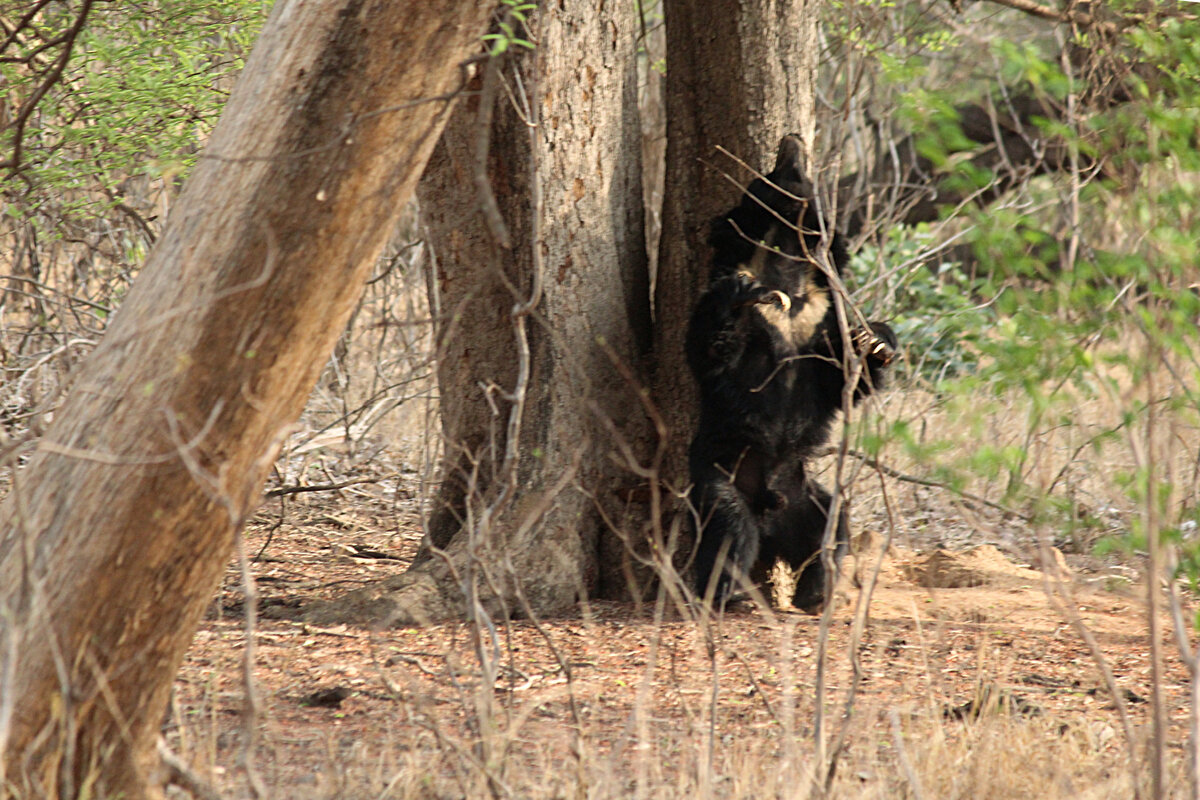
[(766, 349)]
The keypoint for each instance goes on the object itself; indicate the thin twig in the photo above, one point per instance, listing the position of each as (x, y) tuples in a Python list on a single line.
[(483, 131), (862, 612), (910, 774), (901, 476), (1071, 17), (252, 706), (1191, 659), (1058, 593), (23, 23), (181, 775), (283, 491)]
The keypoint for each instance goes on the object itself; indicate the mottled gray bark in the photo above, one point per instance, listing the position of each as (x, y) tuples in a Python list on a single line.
[(523, 520), (740, 75)]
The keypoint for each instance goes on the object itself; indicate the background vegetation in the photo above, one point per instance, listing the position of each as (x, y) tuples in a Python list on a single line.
[(1048, 394)]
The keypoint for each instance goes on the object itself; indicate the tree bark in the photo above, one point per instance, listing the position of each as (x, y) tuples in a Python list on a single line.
[(740, 75), (544, 519), (539, 341), (114, 536)]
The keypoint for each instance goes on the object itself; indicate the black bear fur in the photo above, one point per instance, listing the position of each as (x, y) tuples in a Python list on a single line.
[(765, 346)]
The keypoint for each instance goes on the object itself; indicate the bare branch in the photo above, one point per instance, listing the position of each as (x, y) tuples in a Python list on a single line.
[(13, 164), (324, 487), (21, 24), (901, 476), (1069, 16)]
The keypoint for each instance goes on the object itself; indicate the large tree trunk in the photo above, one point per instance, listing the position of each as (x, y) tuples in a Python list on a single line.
[(114, 536), (740, 75), (528, 333)]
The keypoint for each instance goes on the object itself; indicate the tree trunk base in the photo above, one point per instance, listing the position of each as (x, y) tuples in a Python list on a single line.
[(424, 595)]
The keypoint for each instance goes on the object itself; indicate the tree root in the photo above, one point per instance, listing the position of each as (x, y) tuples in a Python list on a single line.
[(423, 595)]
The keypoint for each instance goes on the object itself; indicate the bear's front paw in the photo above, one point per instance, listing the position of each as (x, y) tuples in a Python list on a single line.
[(877, 343), (776, 298), (750, 292)]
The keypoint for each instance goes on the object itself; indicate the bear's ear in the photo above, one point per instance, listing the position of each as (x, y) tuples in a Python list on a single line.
[(789, 156), (788, 175)]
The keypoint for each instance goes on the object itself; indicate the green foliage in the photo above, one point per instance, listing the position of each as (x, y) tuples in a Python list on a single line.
[(650, 18), (143, 88), (510, 30), (933, 306), (1025, 64), (1082, 285), (870, 27), (1100, 302)]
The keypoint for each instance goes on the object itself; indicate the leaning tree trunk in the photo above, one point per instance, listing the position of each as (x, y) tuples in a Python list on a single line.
[(534, 209), (114, 537), (740, 75)]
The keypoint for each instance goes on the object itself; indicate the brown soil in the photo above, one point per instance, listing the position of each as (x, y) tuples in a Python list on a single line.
[(632, 695)]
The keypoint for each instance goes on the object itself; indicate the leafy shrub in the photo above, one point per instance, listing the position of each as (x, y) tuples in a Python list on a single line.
[(933, 304)]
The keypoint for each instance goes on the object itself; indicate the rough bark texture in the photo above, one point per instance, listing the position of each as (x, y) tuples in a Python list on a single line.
[(113, 538), (740, 75), (569, 193)]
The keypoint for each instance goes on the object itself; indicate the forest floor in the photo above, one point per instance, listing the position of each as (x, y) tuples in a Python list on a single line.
[(973, 681)]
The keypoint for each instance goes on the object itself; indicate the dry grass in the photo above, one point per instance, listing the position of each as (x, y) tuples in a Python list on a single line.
[(655, 703), (644, 707), (648, 712)]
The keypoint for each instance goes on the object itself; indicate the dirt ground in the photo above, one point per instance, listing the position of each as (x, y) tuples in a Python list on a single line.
[(646, 701)]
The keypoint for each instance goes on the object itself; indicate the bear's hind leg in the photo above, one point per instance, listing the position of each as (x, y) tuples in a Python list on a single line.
[(799, 534), (729, 538)]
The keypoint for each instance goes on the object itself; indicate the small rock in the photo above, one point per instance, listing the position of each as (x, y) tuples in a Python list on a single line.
[(326, 698)]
